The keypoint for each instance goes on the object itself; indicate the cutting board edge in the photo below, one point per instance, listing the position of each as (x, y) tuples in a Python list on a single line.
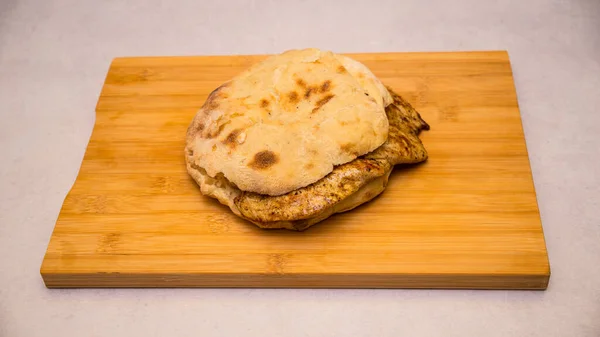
[(537, 203), (536, 281)]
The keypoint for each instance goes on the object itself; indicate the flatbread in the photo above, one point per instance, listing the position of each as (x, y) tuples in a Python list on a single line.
[(346, 187), (288, 121)]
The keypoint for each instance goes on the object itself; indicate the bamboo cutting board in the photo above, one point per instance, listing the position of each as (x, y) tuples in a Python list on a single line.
[(467, 218)]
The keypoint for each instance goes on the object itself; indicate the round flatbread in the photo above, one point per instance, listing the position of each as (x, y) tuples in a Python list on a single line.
[(288, 121)]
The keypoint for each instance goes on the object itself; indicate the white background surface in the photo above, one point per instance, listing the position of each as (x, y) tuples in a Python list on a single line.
[(53, 59)]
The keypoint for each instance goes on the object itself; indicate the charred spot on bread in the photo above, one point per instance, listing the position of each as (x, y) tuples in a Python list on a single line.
[(325, 87), (263, 160), (264, 103), (211, 102), (300, 82), (322, 102), (293, 97), (231, 139), (210, 105), (308, 92)]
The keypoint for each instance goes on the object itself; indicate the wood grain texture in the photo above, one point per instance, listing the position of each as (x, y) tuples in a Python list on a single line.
[(467, 218)]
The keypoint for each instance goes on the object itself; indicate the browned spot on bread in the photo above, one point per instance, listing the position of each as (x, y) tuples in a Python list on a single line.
[(231, 139), (214, 147), (343, 123), (350, 149), (263, 160), (212, 100), (293, 96), (211, 105), (309, 166), (325, 87), (300, 82), (341, 69), (361, 75), (308, 92), (264, 103), (214, 94), (312, 151), (322, 102), (311, 90)]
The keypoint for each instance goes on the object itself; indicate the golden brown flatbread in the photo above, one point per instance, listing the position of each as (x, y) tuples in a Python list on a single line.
[(288, 121)]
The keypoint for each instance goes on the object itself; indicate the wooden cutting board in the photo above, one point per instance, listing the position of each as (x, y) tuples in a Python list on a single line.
[(467, 218)]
